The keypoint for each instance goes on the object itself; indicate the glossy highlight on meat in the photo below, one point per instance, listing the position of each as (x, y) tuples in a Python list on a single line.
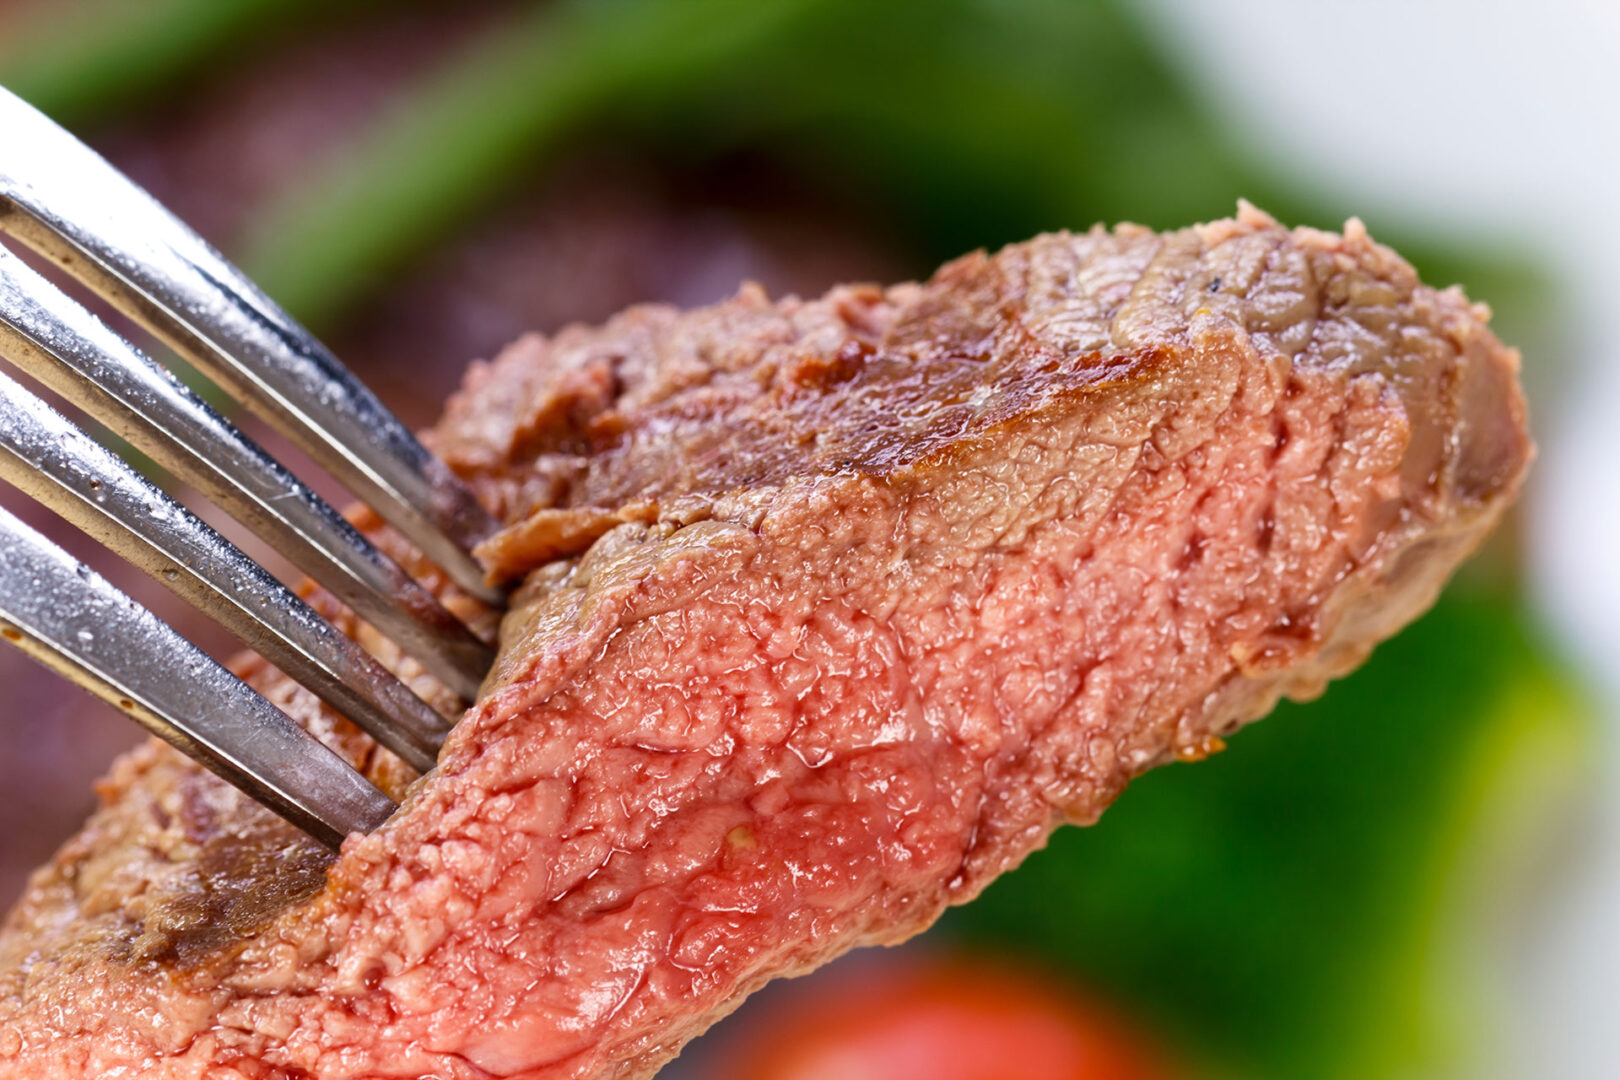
[(828, 612)]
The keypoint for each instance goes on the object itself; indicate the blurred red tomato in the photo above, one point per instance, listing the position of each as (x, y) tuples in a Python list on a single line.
[(940, 1020)]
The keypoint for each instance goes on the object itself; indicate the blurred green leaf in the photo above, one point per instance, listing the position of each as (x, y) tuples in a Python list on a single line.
[(460, 138), (962, 122), (77, 61), (975, 122)]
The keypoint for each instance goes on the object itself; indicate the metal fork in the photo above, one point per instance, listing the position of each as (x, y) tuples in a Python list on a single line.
[(63, 200)]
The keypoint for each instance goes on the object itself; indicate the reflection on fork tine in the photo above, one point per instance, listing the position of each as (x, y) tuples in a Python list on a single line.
[(59, 196), (68, 617), (47, 457), (77, 355), (62, 199)]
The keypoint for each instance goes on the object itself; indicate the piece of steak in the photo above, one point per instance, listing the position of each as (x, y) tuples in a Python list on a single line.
[(831, 611)]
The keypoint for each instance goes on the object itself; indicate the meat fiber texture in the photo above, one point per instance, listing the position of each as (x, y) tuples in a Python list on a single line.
[(828, 613)]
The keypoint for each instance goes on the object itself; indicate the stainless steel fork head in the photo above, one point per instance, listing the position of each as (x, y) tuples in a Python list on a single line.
[(64, 201)]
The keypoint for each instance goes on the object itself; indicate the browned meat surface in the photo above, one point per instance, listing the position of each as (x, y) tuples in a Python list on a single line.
[(830, 612), (579, 240)]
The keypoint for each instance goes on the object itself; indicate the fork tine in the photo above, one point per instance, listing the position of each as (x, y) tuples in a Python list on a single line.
[(44, 455), (61, 197), (65, 347), (69, 618)]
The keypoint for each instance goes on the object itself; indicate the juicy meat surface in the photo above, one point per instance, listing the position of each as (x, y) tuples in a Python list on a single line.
[(830, 611)]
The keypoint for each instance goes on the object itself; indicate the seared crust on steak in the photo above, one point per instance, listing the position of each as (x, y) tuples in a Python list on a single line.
[(830, 611)]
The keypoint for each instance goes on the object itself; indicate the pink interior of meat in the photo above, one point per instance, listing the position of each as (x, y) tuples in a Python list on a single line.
[(832, 610)]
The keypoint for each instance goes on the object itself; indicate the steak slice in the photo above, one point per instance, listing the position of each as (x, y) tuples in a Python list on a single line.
[(830, 611)]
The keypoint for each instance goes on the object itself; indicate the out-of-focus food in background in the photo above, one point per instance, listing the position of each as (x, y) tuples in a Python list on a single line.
[(942, 1017), (1341, 895)]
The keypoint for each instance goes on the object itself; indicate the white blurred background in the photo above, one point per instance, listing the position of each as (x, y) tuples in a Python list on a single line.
[(1503, 117)]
